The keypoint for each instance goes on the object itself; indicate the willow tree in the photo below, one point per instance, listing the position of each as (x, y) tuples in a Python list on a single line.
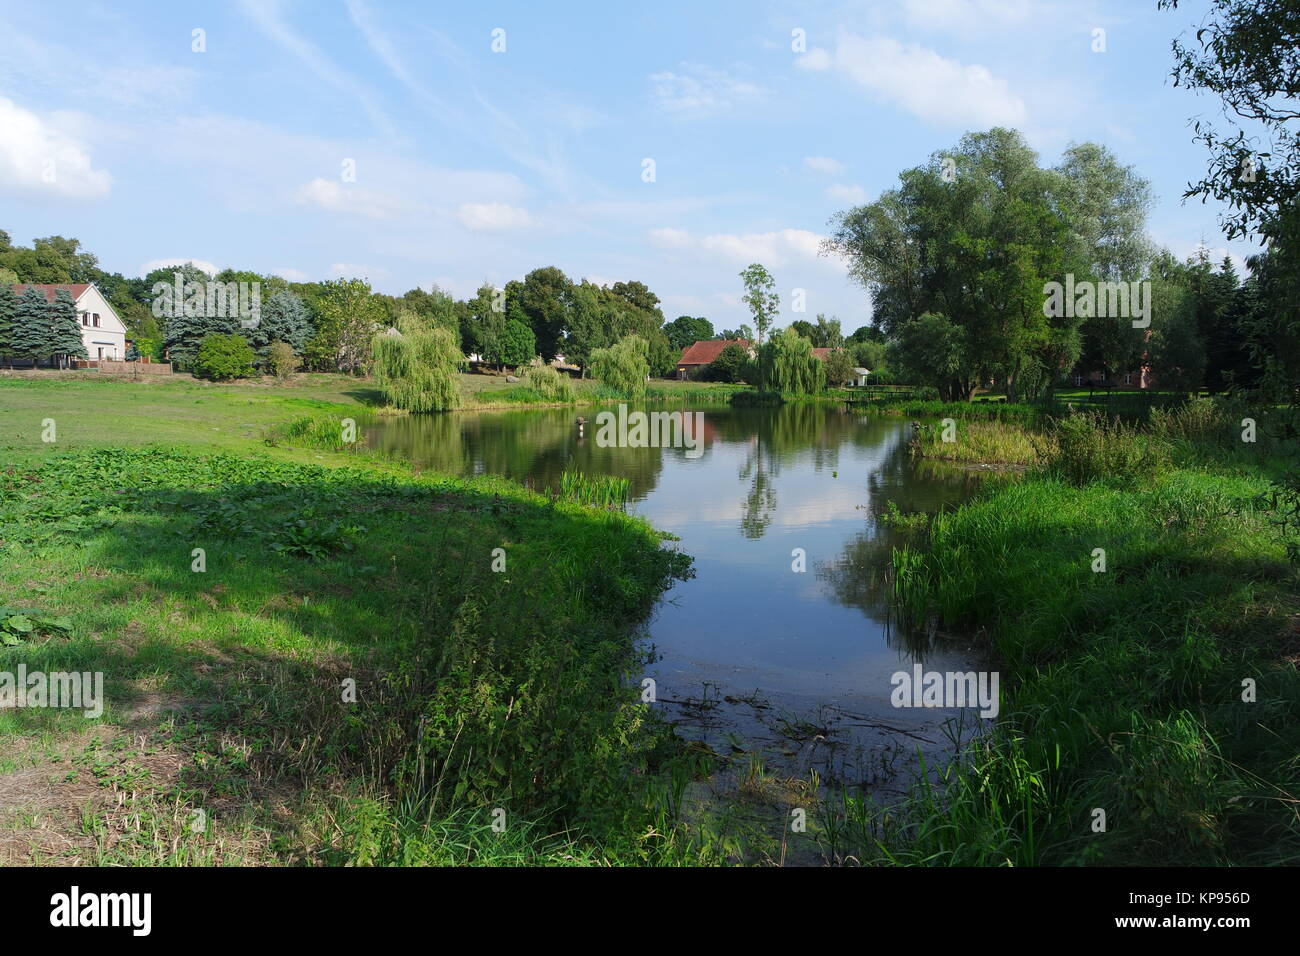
[(624, 366), (789, 365), (417, 368)]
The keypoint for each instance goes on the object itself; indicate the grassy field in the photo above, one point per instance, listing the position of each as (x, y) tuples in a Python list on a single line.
[(313, 658)]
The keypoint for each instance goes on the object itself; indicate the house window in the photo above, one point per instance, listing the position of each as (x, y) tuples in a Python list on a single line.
[(94, 318), (1128, 378), (85, 318), (1078, 380)]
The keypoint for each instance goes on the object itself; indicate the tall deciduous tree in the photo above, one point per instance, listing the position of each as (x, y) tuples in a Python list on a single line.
[(347, 318), (761, 296)]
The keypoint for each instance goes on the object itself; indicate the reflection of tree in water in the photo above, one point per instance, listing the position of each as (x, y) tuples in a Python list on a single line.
[(861, 576), (777, 437), (533, 446)]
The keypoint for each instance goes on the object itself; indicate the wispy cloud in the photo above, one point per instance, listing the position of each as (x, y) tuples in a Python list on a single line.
[(697, 90), (267, 15)]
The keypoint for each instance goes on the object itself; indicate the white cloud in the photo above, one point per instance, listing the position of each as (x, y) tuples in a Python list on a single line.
[(293, 275), (771, 248), (920, 81), (203, 264), (700, 90), (39, 157), (336, 197), (824, 165), (493, 217), (850, 194), (815, 59)]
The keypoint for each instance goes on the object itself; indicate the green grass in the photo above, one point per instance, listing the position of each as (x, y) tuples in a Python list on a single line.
[(478, 687), (981, 442), (1122, 687)]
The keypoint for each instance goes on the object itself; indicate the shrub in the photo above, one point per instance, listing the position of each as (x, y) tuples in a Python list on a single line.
[(623, 367), (224, 357), (549, 384), (1091, 447), (727, 367), (281, 361)]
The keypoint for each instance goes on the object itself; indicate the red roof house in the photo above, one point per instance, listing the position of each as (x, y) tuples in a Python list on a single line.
[(699, 354)]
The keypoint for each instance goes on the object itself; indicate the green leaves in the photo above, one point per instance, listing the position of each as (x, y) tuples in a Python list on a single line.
[(18, 625)]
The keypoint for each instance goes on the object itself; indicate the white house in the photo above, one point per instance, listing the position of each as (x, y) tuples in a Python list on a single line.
[(101, 330), (860, 376)]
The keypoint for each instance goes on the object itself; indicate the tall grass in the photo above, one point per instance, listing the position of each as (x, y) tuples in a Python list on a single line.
[(1090, 447), (550, 384), (599, 491), (974, 441), (1122, 688)]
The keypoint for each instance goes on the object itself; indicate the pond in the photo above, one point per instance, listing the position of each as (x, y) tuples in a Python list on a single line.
[(751, 650)]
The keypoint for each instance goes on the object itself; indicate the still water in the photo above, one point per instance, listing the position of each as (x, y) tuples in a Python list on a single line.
[(748, 630)]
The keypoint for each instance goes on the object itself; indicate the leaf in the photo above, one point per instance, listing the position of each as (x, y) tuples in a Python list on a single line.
[(20, 623)]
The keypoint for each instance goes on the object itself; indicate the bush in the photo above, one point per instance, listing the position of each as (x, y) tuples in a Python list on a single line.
[(727, 367), (224, 357), (623, 367), (1090, 447), (549, 384), (281, 361)]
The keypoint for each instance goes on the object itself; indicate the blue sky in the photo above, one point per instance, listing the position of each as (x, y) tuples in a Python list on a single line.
[(472, 164)]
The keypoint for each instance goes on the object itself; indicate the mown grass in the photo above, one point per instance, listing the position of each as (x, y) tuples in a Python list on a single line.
[(476, 690), (1130, 603)]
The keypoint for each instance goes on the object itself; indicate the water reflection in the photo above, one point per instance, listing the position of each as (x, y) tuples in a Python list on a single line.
[(769, 481)]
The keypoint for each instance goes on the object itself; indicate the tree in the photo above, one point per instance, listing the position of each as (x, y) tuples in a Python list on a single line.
[(30, 336), (977, 249), (222, 357), (481, 323), (933, 351), (8, 315), (417, 368), (516, 345), (685, 330), (761, 297), (543, 298), (727, 367), (65, 327), (839, 367), (1177, 354), (788, 365), (829, 335), (285, 318), (623, 367), (347, 318), (1245, 52)]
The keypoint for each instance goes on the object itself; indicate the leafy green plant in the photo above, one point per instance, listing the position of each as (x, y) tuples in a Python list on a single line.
[(23, 624), (224, 357)]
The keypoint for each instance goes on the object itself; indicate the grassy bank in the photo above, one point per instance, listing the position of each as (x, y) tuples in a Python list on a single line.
[(347, 670), (1123, 673)]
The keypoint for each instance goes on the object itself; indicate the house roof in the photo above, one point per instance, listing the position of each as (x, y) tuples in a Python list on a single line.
[(822, 353), (51, 289), (704, 352)]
